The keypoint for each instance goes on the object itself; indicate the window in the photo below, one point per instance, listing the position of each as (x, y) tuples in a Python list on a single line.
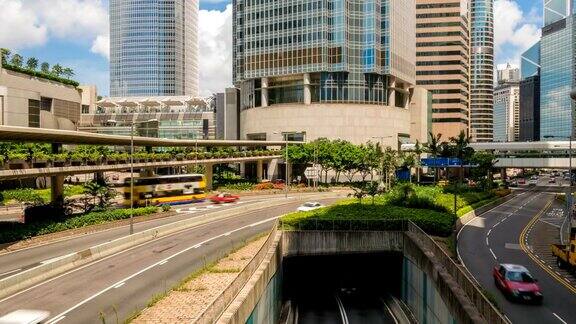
[(33, 113), (85, 109)]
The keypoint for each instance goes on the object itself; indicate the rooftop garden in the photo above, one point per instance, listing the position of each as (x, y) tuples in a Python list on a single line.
[(32, 67)]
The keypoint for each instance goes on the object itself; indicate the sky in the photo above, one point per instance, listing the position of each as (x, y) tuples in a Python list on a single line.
[(75, 34)]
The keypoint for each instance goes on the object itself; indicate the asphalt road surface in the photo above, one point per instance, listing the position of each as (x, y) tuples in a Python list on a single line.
[(494, 238), (344, 307), (116, 286), (13, 262)]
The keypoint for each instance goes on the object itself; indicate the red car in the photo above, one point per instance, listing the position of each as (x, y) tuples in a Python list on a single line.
[(516, 282), (521, 181), (224, 198)]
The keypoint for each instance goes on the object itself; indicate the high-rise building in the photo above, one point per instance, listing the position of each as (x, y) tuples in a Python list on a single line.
[(507, 112), (335, 68), (555, 10), (530, 62), (482, 70), (530, 94), (556, 79), (508, 74), (153, 48), (442, 62), (530, 109)]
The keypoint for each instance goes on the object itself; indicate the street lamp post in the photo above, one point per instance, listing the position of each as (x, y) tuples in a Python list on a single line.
[(132, 168)]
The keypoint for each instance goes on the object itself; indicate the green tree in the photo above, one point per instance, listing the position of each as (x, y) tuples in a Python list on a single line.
[(32, 64), (68, 72), (57, 70), (324, 154), (16, 60), (5, 55), (462, 150), (434, 147), (45, 67), (372, 189), (485, 162), (100, 193)]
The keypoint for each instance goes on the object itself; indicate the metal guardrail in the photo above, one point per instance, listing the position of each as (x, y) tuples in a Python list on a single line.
[(219, 305)]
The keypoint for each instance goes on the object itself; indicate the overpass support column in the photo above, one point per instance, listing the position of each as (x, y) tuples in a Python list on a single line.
[(242, 169), (264, 93), (259, 170), (503, 174), (209, 174), (57, 182), (307, 89)]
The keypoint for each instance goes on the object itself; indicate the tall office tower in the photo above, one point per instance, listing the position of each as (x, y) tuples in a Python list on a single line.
[(442, 62), (508, 74), (482, 70), (153, 48), (555, 10), (507, 105), (556, 79), (335, 68), (530, 94)]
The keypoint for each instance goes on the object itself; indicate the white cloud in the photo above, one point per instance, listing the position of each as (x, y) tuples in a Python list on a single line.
[(215, 40), (514, 32), (20, 27), (101, 45), (33, 22)]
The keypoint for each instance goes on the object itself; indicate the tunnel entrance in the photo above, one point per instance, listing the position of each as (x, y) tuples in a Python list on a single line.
[(351, 289)]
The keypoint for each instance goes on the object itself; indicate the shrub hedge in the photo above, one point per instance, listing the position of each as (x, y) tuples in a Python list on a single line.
[(11, 232)]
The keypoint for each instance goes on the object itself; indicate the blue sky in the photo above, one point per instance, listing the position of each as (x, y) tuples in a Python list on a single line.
[(79, 40)]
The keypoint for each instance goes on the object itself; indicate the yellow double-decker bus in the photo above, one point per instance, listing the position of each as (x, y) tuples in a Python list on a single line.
[(166, 190)]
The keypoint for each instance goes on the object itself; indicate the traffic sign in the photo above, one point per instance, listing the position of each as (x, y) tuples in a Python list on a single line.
[(312, 173)]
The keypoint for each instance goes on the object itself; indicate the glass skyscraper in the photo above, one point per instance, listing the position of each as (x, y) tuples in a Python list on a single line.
[(333, 51), (530, 62), (153, 48), (482, 70), (556, 78), (555, 10)]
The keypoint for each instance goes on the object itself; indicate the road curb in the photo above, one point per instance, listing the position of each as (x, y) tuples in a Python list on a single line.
[(62, 264)]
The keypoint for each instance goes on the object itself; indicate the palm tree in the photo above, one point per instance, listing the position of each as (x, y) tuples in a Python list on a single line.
[(68, 72), (32, 64), (16, 60), (57, 70), (418, 150), (5, 54), (45, 67), (434, 147), (462, 150)]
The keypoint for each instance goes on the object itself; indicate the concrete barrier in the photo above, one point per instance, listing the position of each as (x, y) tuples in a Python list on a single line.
[(62, 264)]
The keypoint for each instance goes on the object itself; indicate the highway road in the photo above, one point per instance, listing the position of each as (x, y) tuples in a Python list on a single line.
[(13, 262), (345, 306), (494, 238), (116, 286)]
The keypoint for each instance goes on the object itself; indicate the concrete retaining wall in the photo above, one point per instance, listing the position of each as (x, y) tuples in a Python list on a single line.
[(30, 277), (459, 294)]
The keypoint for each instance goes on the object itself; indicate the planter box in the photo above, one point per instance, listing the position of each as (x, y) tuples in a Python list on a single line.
[(76, 162), (60, 163)]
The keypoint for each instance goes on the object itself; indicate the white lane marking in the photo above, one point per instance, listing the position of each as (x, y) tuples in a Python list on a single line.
[(548, 223), (391, 313), (489, 232), (119, 285), (57, 258), (192, 209), (9, 272), (559, 318), (163, 263), (197, 246), (487, 244), (152, 266), (494, 255), (342, 310), (227, 234), (56, 320), (210, 206)]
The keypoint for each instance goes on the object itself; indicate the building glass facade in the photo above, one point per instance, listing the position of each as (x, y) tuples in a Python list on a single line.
[(530, 109), (153, 48), (530, 62), (507, 112), (556, 79), (333, 51), (555, 10), (482, 70)]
